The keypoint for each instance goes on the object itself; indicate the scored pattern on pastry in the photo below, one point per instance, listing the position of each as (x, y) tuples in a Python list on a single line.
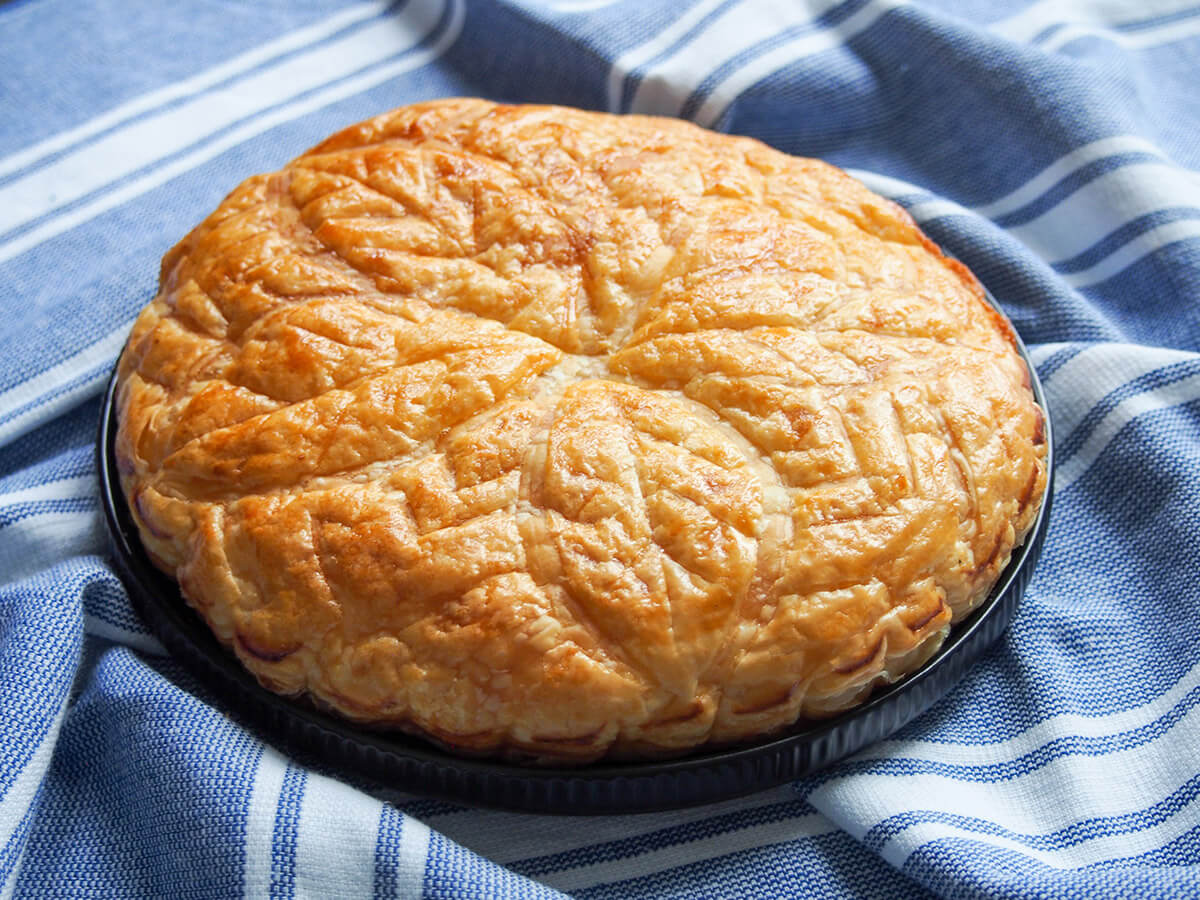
[(554, 433)]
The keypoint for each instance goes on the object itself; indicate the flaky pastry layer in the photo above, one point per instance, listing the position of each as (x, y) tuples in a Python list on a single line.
[(561, 435)]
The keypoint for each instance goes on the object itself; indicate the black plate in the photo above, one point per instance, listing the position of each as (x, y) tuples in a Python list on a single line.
[(410, 764)]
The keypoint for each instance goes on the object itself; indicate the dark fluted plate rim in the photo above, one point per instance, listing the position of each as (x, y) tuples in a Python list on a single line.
[(410, 764)]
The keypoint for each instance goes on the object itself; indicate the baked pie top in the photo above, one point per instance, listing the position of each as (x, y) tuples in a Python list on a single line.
[(557, 434)]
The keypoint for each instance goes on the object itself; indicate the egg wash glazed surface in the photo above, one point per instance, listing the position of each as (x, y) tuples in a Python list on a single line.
[(558, 436)]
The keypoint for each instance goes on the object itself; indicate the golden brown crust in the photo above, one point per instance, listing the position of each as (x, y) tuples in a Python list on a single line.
[(558, 434)]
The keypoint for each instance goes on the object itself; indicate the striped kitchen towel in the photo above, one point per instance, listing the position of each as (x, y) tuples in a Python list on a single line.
[(1051, 145)]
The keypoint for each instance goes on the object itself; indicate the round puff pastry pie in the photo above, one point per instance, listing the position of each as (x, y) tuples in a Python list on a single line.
[(559, 435)]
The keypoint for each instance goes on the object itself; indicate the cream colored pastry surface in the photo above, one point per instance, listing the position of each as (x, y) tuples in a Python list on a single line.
[(559, 435)]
